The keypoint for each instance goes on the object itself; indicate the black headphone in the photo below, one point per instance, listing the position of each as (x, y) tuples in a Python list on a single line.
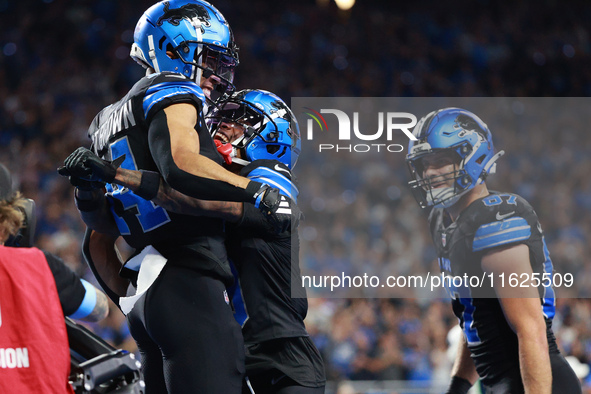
[(24, 236)]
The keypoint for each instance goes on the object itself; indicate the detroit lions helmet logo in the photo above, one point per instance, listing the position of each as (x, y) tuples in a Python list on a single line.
[(282, 110), (187, 11), (465, 122)]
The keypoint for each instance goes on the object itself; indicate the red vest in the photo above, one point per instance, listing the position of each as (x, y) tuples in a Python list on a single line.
[(34, 349)]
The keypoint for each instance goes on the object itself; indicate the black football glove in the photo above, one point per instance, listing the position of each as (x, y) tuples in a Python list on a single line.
[(85, 165), (85, 185), (278, 209)]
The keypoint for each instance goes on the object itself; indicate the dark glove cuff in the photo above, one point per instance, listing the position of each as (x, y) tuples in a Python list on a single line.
[(149, 185), (89, 205), (109, 168), (458, 386), (254, 189)]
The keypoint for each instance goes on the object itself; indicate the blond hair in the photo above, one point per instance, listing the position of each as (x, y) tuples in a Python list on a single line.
[(11, 216)]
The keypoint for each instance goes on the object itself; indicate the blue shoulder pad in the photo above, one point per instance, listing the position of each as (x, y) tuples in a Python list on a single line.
[(500, 233), (275, 179), (171, 90)]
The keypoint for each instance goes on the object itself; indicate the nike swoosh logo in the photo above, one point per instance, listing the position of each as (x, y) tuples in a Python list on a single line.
[(506, 215), (277, 168)]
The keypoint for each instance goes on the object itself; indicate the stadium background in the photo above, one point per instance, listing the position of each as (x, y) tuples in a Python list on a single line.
[(61, 61)]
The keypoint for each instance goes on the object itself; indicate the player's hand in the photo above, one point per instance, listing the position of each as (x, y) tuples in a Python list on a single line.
[(84, 164), (225, 150), (78, 182), (278, 209), (85, 185)]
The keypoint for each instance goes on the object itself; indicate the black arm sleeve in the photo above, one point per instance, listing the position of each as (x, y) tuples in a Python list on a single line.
[(184, 182), (69, 288)]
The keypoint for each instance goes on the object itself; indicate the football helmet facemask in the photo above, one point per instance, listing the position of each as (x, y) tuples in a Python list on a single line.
[(271, 130), (465, 140)]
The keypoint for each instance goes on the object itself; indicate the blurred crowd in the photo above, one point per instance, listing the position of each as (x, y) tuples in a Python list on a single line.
[(61, 61)]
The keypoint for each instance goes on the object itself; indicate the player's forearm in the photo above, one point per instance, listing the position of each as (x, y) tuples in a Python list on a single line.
[(174, 201), (464, 365), (95, 212), (463, 372), (101, 307), (128, 178), (202, 178), (176, 151), (534, 361), (103, 257), (99, 222), (204, 167)]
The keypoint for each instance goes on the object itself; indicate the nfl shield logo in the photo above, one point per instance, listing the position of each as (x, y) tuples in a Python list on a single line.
[(226, 298), (443, 239)]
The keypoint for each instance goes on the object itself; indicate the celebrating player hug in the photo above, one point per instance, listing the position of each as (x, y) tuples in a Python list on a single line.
[(222, 196)]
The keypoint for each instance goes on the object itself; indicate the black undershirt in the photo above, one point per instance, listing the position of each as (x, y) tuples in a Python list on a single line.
[(70, 289)]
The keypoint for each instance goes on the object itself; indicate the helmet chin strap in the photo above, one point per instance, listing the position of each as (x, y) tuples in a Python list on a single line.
[(242, 162), (235, 158), (443, 197)]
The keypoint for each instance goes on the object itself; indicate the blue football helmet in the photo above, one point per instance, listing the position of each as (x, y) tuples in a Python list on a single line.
[(271, 130), (468, 141), (195, 32)]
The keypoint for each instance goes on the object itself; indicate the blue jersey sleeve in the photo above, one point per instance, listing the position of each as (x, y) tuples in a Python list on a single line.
[(505, 219), (275, 179), (501, 233), (274, 174), (170, 90)]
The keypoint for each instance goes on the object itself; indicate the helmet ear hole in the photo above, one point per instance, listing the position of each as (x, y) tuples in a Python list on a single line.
[(480, 159), (170, 51), (282, 152), (272, 149)]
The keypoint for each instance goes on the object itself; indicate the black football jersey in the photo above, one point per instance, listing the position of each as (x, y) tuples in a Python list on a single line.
[(495, 221), (268, 264), (122, 129)]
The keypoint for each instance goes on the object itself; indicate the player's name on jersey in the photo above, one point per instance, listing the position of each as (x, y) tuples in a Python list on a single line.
[(118, 119), (14, 358)]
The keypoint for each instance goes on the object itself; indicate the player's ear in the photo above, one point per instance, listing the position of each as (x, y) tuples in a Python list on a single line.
[(170, 52)]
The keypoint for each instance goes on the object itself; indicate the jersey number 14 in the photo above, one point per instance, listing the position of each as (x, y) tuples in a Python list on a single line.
[(149, 215)]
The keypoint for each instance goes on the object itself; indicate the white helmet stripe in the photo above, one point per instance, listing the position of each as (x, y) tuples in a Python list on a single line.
[(196, 74)]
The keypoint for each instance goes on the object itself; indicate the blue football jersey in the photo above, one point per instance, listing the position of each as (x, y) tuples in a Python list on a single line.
[(496, 221)]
